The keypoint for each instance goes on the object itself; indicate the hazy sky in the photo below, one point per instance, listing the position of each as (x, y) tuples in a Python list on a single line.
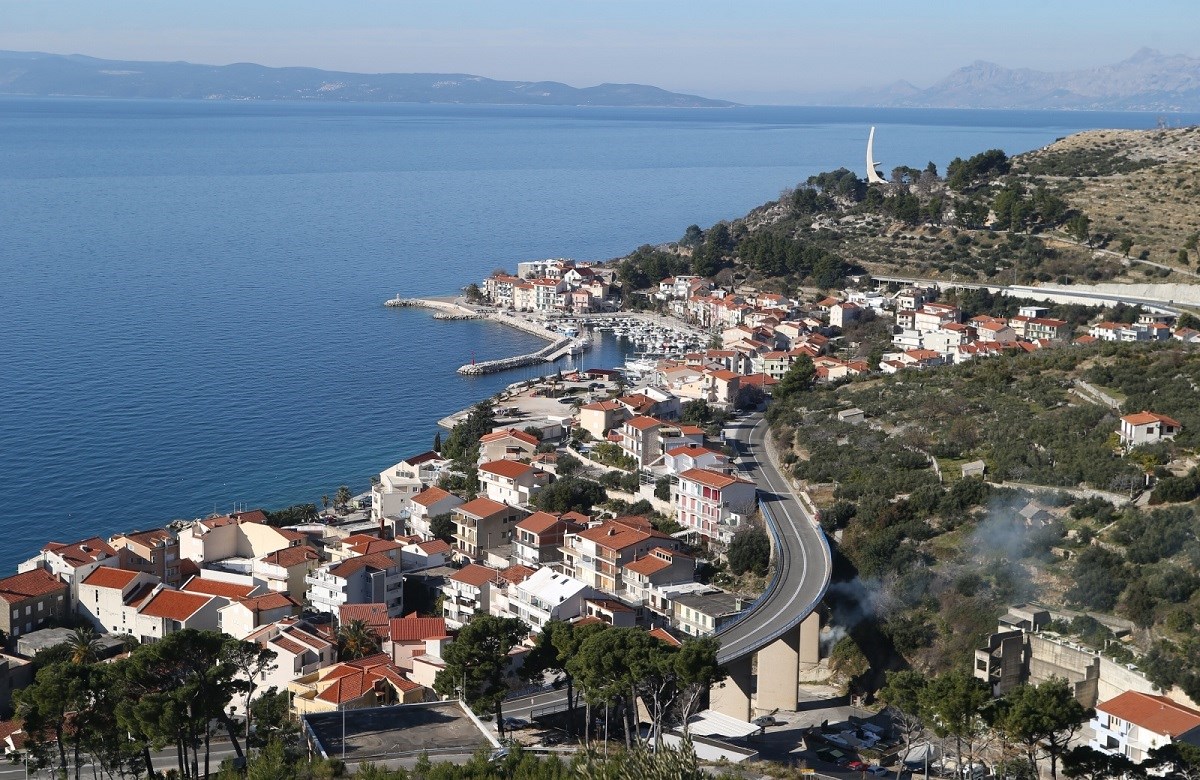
[(721, 48)]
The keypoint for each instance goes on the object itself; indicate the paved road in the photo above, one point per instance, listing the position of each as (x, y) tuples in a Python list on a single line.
[(1075, 294), (163, 761), (802, 559)]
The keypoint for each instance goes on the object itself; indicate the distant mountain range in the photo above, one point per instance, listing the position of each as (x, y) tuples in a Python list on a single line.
[(38, 74), (1147, 81)]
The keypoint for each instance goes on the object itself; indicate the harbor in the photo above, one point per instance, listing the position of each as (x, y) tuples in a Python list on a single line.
[(564, 339)]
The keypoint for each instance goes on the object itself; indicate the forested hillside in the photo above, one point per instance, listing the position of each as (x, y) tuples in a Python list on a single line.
[(937, 558)]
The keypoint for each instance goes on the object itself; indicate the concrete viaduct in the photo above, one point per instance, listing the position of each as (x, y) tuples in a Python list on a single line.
[(782, 628)]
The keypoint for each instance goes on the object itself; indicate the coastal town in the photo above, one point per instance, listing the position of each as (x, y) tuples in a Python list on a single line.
[(643, 500)]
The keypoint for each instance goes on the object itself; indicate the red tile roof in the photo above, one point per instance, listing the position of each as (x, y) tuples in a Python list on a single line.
[(229, 590), (474, 574), (109, 577), (252, 516), (516, 573), (647, 565), (1157, 714), (434, 546), (416, 629), (661, 633), (269, 601), (1145, 418), (150, 538), (511, 469), (174, 605), (372, 546), (352, 680), (481, 507), (283, 642), (602, 406), (424, 457), (642, 423), (528, 438), (538, 522), (359, 562), (610, 605), (292, 556), (82, 552), (615, 535), (712, 478), (374, 615), (430, 496), (694, 450), (30, 584)]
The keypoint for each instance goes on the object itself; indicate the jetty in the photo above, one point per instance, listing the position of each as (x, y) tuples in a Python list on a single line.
[(561, 345), (446, 310)]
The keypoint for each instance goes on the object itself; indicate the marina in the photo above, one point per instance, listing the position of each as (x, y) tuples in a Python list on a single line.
[(564, 338), (652, 335)]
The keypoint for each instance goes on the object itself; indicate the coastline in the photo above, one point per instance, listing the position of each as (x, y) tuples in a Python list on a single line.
[(450, 309)]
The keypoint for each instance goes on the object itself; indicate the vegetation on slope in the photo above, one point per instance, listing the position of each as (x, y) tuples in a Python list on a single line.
[(1070, 213), (930, 562)]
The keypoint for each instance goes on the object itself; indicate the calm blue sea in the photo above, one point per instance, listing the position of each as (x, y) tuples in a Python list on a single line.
[(190, 292)]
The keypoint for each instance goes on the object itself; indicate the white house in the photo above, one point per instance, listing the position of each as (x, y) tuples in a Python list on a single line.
[(468, 591), (713, 504), (168, 611), (243, 616), (548, 595), (511, 482), (108, 598), (426, 505), (364, 579), (244, 535), (1147, 428), (693, 456), (299, 651), (1135, 723), (401, 482), (72, 562)]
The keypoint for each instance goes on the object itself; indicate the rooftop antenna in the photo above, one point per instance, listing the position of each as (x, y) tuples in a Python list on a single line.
[(873, 176)]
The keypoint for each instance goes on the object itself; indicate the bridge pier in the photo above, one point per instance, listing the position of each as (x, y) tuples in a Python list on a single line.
[(732, 695), (777, 684), (779, 673)]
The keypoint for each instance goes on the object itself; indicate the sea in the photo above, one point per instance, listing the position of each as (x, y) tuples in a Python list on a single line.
[(191, 292)]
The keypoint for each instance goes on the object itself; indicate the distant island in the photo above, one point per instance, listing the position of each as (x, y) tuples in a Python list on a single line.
[(1146, 81), (40, 74)]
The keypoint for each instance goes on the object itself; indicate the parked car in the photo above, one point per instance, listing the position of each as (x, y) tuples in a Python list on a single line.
[(511, 724), (768, 720), (857, 766), (878, 771)]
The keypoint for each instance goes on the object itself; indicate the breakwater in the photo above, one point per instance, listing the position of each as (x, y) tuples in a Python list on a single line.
[(560, 345)]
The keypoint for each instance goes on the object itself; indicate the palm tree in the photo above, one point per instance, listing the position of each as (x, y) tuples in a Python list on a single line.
[(342, 497), (84, 646), (356, 640)]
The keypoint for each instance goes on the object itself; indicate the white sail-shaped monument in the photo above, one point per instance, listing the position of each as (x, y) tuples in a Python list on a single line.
[(873, 176)]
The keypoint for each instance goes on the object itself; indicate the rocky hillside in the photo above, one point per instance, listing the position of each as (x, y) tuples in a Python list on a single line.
[(35, 73), (1098, 206), (1146, 81), (1142, 187)]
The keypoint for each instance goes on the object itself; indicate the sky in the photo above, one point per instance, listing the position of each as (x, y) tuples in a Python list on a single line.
[(748, 50)]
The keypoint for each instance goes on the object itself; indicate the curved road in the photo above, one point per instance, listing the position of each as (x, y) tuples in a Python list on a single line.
[(802, 558)]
